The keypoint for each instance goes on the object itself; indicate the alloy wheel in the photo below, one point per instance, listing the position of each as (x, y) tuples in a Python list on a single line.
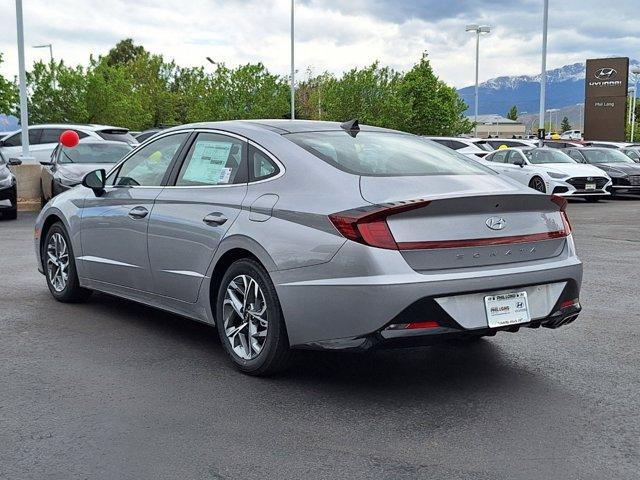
[(57, 262), (537, 184), (245, 317)]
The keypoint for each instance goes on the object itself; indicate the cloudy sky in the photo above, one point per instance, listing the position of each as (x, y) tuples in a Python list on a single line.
[(332, 35)]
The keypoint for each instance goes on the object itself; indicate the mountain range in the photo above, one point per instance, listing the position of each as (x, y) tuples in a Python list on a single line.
[(565, 88)]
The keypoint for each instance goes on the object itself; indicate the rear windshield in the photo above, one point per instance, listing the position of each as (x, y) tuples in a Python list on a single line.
[(94, 153), (386, 154), (117, 135), (542, 155)]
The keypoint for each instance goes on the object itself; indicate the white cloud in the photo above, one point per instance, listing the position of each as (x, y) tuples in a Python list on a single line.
[(331, 35)]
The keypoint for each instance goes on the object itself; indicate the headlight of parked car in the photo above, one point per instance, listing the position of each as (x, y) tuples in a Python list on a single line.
[(6, 181), (557, 175)]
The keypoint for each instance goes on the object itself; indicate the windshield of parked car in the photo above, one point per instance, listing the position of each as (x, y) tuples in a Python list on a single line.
[(386, 154), (94, 153), (606, 155), (541, 155)]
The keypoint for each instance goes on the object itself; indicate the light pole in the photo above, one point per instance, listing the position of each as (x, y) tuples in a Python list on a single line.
[(543, 73), (50, 47), (581, 117), (552, 123), (293, 73), (635, 72), (478, 30), (22, 75), (629, 93)]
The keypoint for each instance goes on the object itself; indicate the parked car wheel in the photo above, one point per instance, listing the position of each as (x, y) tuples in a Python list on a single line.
[(537, 184), (249, 320), (60, 268)]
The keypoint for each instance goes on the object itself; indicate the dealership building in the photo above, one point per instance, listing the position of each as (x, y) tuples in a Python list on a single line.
[(498, 126)]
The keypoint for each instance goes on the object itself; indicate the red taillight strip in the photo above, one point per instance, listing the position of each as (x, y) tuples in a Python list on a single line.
[(482, 242)]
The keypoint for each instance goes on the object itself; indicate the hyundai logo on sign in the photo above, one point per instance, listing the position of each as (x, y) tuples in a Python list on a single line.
[(496, 223), (605, 73)]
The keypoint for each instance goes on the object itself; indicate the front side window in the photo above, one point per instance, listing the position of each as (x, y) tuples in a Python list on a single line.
[(148, 166), (499, 157), (632, 154), (385, 154), (539, 156), (16, 139), (213, 159)]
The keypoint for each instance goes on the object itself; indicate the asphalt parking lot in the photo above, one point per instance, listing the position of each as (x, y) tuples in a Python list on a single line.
[(110, 389)]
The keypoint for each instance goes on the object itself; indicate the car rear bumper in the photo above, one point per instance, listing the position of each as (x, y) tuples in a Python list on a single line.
[(326, 312)]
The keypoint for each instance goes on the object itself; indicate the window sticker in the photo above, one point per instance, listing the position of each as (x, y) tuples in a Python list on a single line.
[(207, 164)]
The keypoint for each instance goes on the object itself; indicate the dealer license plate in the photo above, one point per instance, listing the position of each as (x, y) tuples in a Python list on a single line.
[(590, 186), (507, 309)]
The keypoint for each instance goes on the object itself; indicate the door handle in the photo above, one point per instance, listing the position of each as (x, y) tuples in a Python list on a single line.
[(215, 219), (138, 212)]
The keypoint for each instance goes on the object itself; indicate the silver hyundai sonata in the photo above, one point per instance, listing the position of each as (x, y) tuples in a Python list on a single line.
[(300, 234)]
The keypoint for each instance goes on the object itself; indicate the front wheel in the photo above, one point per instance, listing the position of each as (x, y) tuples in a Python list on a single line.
[(249, 320), (60, 267), (537, 184)]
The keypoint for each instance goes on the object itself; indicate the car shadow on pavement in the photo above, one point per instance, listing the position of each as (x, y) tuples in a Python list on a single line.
[(445, 368)]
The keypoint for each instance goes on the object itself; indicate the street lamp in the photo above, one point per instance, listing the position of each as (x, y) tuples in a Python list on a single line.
[(293, 73), (50, 47), (478, 30), (22, 76), (581, 117), (543, 73), (553, 124), (635, 72)]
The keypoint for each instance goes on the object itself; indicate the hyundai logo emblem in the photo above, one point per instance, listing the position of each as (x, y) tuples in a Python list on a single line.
[(605, 73), (496, 223)]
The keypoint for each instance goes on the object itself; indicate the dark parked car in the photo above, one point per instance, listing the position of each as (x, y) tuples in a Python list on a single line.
[(8, 188), (632, 152), (68, 165), (624, 172)]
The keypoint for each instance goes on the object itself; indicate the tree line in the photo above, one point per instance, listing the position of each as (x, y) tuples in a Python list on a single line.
[(133, 88)]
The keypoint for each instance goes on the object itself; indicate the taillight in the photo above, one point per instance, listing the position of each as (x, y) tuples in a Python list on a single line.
[(562, 203), (368, 225)]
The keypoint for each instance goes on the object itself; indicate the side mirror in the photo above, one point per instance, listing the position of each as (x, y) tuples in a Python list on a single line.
[(46, 163), (14, 162), (95, 181), (519, 162)]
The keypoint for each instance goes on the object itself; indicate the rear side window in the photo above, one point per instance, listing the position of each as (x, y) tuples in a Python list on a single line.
[(385, 154), (456, 145), (213, 159), (260, 165), (51, 135), (117, 135)]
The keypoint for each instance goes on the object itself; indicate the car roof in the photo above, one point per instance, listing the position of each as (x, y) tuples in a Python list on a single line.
[(281, 127)]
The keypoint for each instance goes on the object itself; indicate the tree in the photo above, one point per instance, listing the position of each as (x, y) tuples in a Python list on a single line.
[(512, 114), (565, 125), (8, 94), (124, 52)]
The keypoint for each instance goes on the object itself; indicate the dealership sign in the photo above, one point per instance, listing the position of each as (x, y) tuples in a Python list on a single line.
[(605, 98)]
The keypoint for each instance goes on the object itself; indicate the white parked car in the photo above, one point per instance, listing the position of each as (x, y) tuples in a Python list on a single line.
[(44, 138), (571, 135), (470, 147), (550, 171)]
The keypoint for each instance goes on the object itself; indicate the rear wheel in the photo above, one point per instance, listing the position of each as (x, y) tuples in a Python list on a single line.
[(60, 267), (249, 320), (537, 184)]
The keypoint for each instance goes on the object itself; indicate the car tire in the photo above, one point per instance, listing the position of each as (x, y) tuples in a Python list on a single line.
[(57, 244), (248, 297), (537, 184), (11, 214)]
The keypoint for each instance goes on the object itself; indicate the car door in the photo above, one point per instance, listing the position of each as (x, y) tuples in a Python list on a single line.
[(522, 170), (193, 214), (114, 224)]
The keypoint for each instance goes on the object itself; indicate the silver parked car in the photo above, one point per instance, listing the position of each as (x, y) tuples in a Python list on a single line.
[(68, 165), (300, 234)]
